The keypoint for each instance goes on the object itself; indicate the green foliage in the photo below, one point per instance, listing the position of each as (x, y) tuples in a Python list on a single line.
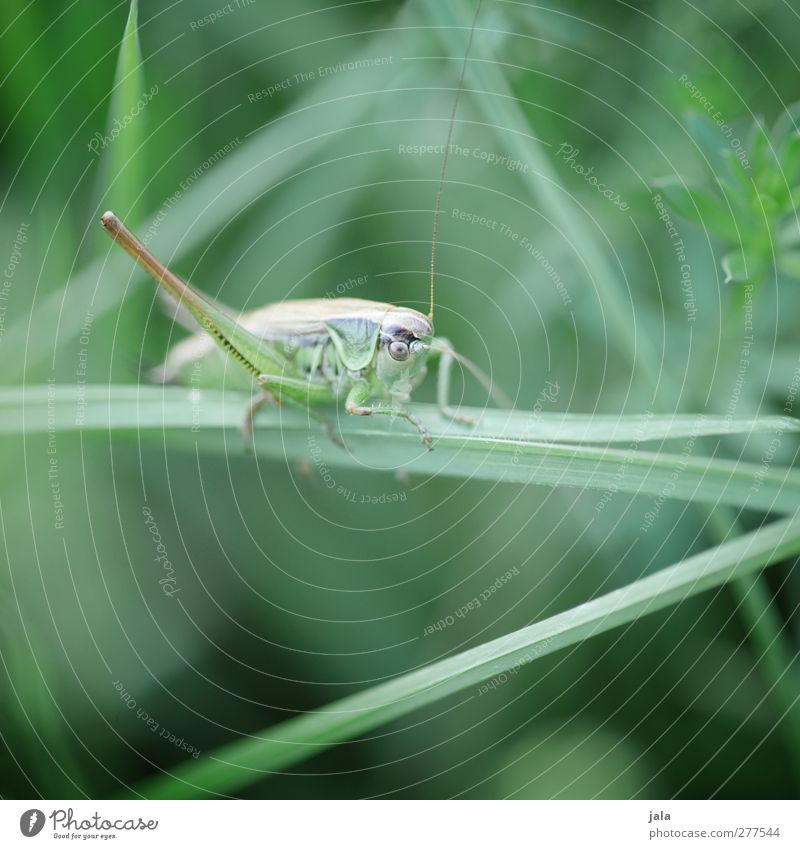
[(230, 768), (613, 533), (753, 197), (123, 173)]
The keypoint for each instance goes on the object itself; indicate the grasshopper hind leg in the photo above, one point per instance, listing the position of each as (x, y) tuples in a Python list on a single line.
[(247, 427), (327, 429), (271, 386)]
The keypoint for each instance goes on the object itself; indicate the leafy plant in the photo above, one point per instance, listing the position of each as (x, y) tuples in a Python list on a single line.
[(751, 201)]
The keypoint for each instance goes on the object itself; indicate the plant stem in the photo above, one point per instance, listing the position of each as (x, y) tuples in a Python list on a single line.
[(768, 635)]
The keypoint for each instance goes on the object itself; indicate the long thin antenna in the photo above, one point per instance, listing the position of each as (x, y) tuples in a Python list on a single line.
[(438, 207)]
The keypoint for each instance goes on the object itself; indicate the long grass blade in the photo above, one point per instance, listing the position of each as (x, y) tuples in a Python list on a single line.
[(122, 166), (246, 761), (509, 446)]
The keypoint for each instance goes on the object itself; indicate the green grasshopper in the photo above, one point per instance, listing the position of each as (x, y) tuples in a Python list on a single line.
[(304, 353), (309, 352)]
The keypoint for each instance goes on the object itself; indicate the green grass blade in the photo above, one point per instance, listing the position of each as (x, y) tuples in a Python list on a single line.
[(774, 650), (239, 764), (512, 447), (123, 174), (174, 406)]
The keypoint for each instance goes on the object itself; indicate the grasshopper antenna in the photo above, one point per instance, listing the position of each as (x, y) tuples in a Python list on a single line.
[(438, 206)]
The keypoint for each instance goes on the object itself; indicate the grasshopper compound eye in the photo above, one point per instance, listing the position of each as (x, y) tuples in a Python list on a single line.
[(398, 351)]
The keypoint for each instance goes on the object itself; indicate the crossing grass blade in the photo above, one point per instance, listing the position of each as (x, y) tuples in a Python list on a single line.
[(246, 761), (122, 166)]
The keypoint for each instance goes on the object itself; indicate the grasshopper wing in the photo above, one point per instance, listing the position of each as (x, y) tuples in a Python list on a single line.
[(353, 325)]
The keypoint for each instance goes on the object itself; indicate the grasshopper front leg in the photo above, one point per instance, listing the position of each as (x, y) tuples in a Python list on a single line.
[(355, 405)]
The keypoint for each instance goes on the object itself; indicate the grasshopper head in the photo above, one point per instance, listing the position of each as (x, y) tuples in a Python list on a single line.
[(403, 348)]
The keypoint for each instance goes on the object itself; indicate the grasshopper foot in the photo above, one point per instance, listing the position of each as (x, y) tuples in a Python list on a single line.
[(425, 438)]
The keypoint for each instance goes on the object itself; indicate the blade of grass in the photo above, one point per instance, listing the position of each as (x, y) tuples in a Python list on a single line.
[(122, 168), (753, 594), (32, 716), (246, 761), (517, 450), (173, 406)]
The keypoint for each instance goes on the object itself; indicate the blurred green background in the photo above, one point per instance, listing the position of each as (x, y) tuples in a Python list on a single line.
[(291, 593)]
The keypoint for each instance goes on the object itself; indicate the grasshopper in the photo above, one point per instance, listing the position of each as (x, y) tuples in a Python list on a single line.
[(305, 353)]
